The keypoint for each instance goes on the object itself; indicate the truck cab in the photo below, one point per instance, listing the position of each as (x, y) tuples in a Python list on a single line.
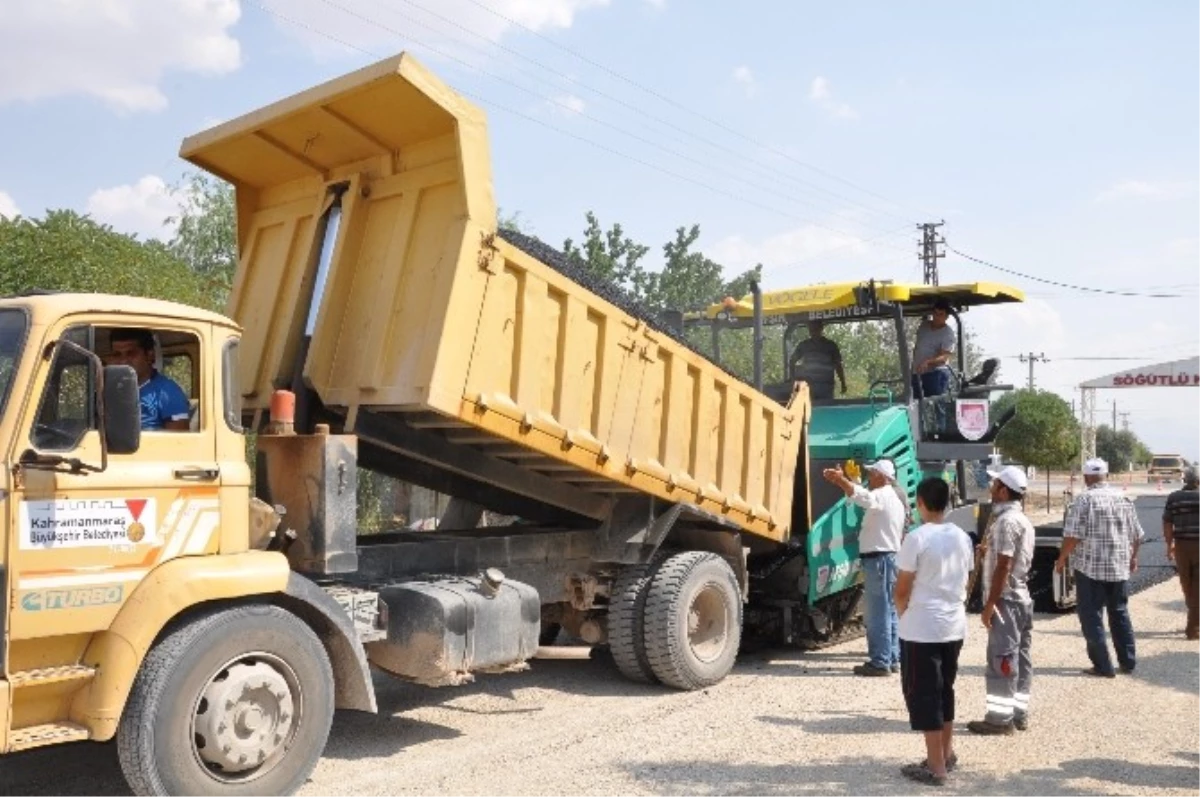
[(93, 502)]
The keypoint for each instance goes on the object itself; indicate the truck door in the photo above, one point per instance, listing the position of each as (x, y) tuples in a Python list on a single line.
[(85, 539)]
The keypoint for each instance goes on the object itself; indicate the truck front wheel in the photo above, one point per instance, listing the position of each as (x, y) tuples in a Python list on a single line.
[(693, 624), (238, 701)]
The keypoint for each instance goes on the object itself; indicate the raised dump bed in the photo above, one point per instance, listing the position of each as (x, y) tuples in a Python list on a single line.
[(370, 271)]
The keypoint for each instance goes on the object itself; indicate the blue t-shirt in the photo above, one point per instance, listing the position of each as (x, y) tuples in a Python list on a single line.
[(162, 400)]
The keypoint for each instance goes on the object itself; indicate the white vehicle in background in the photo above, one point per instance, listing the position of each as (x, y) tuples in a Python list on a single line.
[(1166, 468)]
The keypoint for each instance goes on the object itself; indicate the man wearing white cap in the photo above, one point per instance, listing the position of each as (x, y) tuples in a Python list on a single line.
[(1101, 536), (1008, 611), (878, 540)]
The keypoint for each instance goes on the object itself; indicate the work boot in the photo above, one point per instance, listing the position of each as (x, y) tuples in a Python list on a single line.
[(985, 728), (1021, 722), (871, 671), (1092, 671)]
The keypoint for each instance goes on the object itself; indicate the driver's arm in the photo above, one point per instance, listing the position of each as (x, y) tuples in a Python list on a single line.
[(176, 409)]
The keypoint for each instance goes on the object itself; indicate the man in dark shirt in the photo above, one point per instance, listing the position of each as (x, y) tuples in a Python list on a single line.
[(1181, 533), (816, 360)]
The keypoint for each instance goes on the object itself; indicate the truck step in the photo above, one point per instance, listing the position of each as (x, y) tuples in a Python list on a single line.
[(51, 675), (362, 605), (42, 735)]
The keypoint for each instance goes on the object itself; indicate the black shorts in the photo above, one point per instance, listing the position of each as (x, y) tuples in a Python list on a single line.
[(927, 671)]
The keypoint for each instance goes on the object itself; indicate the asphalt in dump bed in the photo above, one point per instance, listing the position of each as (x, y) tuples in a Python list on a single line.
[(605, 289), (577, 272)]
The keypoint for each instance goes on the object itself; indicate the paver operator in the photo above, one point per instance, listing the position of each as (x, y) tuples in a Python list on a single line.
[(1101, 536), (1181, 533), (931, 353), (816, 360), (1008, 610), (878, 541)]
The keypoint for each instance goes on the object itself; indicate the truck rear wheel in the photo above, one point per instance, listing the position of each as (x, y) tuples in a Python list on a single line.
[(693, 624), (626, 621), (239, 701)]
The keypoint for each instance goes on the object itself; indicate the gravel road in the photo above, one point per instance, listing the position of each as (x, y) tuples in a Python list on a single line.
[(782, 723)]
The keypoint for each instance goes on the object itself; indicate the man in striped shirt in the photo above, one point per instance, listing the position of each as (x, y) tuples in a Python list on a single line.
[(1101, 536), (1181, 533)]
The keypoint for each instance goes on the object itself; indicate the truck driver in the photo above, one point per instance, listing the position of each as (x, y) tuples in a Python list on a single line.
[(164, 404)]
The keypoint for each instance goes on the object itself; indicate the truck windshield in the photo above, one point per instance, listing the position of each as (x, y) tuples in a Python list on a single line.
[(13, 326)]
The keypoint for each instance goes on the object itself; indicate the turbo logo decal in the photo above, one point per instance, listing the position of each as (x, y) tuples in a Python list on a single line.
[(87, 597)]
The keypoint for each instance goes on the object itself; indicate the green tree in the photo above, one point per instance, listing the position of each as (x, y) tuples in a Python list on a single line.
[(610, 255), (1044, 433), (510, 222), (206, 231), (67, 251), (1122, 450)]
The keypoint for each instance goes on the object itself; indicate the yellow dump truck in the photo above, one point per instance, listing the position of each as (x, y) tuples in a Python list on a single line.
[(211, 615)]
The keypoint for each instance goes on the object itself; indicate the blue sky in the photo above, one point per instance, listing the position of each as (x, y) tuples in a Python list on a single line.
[(1058, 139)]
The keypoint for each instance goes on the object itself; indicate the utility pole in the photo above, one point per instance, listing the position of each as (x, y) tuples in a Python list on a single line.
[(929, 249), (1031, 359), (1114, 424)]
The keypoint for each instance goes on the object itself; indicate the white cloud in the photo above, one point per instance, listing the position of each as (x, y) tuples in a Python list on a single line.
[(141, 208), (387, 29), (821, 93), (820, 89), (115, 50), (1146, 190), (1183, 249), (792, 257), (569, 104), (1007, 330), (8, 206), (745, 77)]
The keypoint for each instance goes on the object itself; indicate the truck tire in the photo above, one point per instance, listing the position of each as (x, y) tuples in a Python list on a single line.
[(238, 701), (693, 622), (626, 621)]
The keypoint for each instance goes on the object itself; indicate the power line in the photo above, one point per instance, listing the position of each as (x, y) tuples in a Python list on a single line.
[(1031, 359), (659, 96), (764, 169), (1064, 284), (554, 128)]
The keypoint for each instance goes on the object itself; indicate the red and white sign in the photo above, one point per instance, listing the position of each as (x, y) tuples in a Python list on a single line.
[(87, 523), (1179, 373), (972, 418)]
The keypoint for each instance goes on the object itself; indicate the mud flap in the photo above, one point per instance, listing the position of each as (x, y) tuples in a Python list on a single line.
[(353, 688)]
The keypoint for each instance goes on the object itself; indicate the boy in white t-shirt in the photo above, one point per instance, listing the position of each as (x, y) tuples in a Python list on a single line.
[(934, 564)]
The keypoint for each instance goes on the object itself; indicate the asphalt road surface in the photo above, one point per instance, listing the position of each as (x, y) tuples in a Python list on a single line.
[(1153, 567)]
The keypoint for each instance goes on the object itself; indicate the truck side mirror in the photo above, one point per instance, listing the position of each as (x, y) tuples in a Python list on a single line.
[(122, 421)]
